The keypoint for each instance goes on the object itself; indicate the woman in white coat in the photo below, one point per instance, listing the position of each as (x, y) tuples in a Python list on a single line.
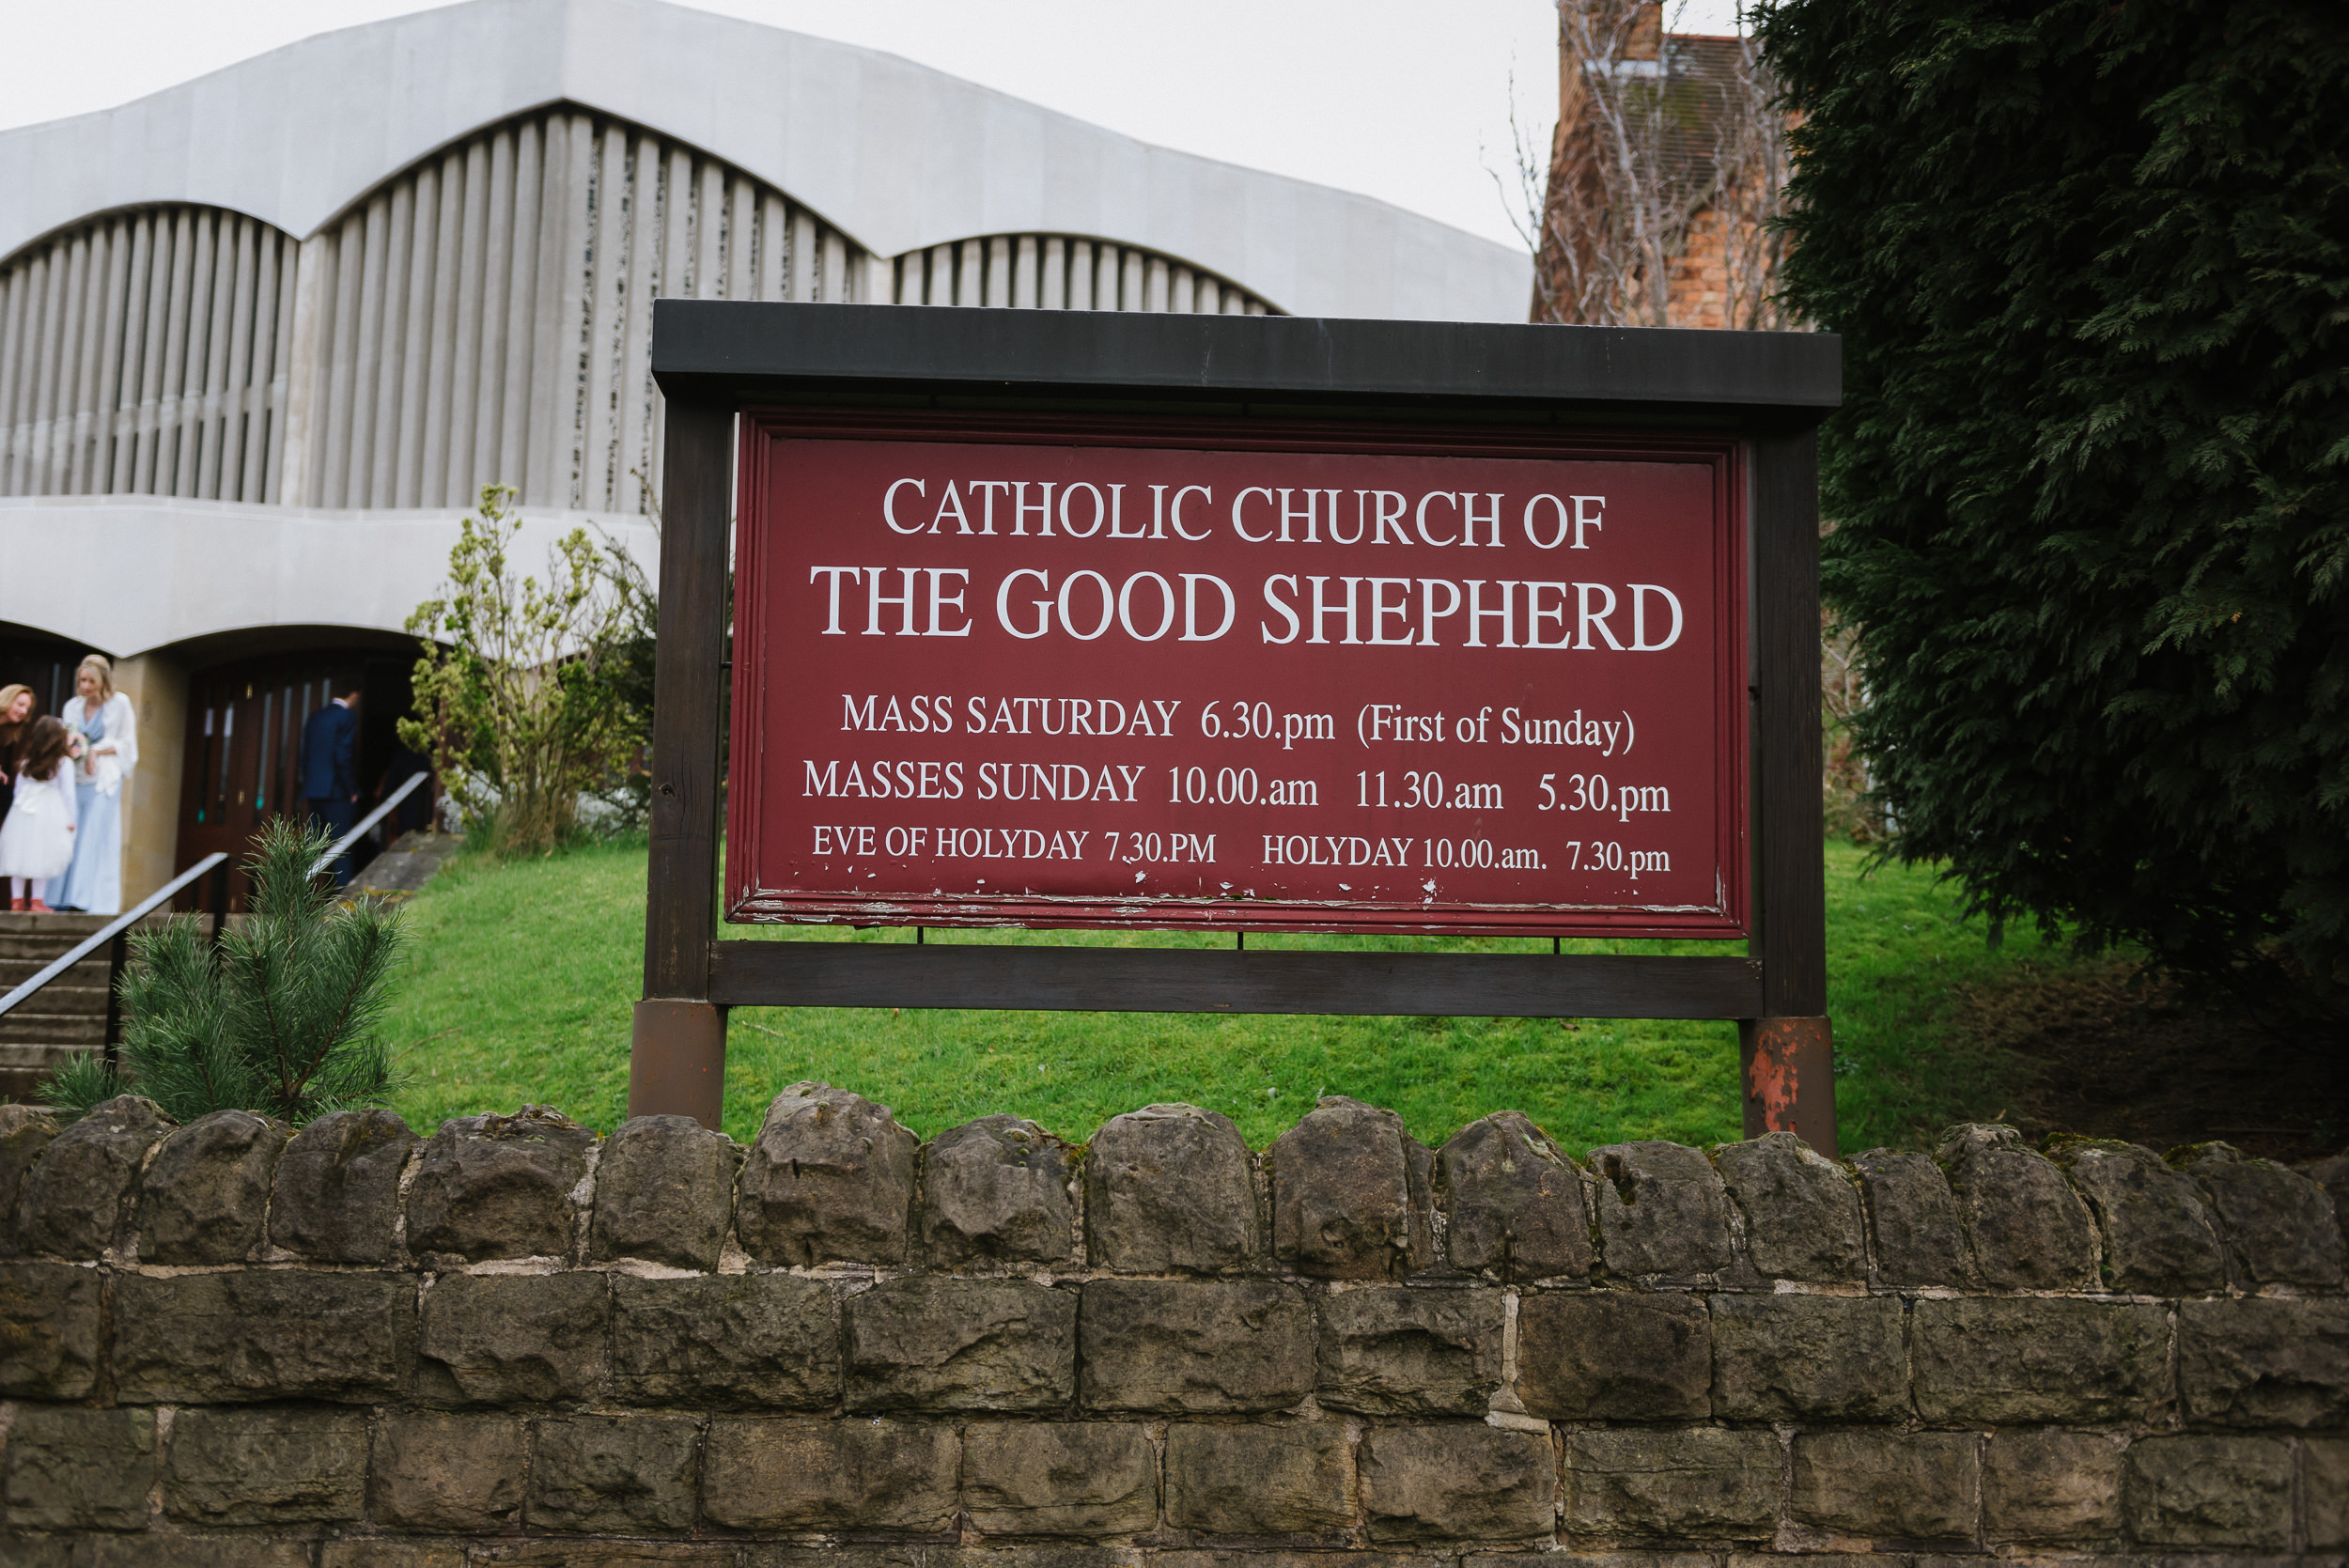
[(110, 733)]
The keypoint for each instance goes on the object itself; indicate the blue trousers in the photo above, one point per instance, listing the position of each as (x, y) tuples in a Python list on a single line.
[(335, 816)]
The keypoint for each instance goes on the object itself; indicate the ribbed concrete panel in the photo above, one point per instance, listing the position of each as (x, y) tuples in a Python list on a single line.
[(1063, 271), (485, 317), (142, 353)]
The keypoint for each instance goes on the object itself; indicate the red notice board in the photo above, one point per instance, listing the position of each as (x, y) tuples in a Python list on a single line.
[(1270, 675)]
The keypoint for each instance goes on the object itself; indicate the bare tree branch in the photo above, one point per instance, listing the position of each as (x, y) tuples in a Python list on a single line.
[(1662, 139)]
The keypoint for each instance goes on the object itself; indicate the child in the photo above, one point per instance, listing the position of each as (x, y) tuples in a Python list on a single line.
[(37, 840)]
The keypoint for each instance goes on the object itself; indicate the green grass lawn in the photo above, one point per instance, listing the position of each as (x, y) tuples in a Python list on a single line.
[(521, 976)]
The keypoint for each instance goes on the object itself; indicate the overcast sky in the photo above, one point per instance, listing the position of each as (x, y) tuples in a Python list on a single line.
[(1407, 101)]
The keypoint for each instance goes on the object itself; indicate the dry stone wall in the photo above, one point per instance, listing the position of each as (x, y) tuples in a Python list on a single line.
[(514, 1342)]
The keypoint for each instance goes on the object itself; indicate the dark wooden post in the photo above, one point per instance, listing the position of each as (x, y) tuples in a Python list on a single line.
[(1787, 1056), (677, 1049), (220, 903), (118, 952)]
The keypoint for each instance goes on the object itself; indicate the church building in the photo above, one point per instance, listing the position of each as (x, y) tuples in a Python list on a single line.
[(264, 335)]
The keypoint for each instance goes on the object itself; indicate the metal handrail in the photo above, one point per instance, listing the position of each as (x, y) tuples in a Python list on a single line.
[(164, 894), (393, 798), (121, 922)]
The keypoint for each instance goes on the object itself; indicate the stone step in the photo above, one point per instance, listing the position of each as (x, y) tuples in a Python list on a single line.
[(45, 944), (59, 999), (35, 1059), (89, 972), (21, 1028), (24, 1068), (24, 922)]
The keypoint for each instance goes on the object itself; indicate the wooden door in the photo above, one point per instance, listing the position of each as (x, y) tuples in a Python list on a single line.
[(243, 744)]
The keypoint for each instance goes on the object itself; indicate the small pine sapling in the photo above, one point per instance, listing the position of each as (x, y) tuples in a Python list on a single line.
[(282, 1020)]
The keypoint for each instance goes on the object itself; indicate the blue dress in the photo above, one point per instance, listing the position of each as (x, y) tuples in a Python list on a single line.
[(94, 881)]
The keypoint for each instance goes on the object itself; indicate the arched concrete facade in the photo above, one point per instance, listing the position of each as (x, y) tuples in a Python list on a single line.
[(264, 334), (896, 155)]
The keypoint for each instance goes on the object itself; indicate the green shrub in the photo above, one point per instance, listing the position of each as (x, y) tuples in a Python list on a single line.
[(2090, 266), (532, 695), (282, 1020)]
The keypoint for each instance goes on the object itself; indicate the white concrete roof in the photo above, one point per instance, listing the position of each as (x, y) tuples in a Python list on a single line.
[(895, 154), (208, 566)]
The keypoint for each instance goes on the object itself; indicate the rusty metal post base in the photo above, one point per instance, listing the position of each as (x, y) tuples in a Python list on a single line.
[(1788, 1065), (676, 1060)]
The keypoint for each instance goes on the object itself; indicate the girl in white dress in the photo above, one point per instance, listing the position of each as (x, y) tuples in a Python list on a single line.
[(103, 718), (37, 840)]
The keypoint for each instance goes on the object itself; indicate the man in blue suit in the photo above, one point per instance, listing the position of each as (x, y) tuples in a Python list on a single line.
[(330, 766)]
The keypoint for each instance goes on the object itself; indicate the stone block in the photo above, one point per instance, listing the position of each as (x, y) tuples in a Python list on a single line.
[(79, 1469), (1458, 1483), (41, 1551), (2331, 1173), (620, 1475), (724, 1340), (271, 1467), (204, 1196), (617, 1554), (2325, 1483), (997, 1191), (1259, 1480), (1908, 1486), (179, 1550), (1188, 1347), (336, 1198), (77, 1199), (1633, 1559), (260, 1334), (1257, 1555), (1912, 1219), (447, 1472), (2025, 1226), (1614, 1355), (1390, 1350), (499, 1187), (1169, 1190), (2210, 1492), (2264, 1362), (48, 1330), (513, 1339), (2158, 1239), (871, 1554), (830, 1180), (1349, 1195), (665, 1192), (1809, 1358), (2022, 1362), (1059, 1478), (369, 1552), (1512, 1204), (2050, 1487), (1662, 1212), (2279, 1225), (804, 1474), (1801, 1210), (917, 1344), (1691, 1483), (26, 1130)]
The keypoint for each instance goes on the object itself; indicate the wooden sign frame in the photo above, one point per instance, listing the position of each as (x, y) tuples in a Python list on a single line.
[(1765, 391)]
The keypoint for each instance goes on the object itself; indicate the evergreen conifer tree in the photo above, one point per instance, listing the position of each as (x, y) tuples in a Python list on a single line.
[(2091, 479), (282, 1020)]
